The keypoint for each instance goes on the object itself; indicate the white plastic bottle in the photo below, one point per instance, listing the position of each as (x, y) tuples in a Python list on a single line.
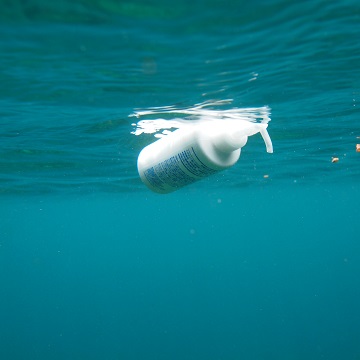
[(194, 152)]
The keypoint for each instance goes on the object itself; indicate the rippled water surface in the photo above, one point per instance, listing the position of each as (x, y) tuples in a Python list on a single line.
[(260, 261), (73, 74)]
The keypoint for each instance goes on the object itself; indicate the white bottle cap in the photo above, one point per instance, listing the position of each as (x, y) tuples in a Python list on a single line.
[(234, 135)]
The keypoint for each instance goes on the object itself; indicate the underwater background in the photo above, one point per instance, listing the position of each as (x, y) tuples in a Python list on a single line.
[(261, 261)]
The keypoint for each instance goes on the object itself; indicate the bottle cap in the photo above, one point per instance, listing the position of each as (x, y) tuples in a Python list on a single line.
[(248, 129)]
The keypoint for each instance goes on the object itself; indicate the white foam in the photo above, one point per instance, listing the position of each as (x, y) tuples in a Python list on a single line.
[(199, 112)]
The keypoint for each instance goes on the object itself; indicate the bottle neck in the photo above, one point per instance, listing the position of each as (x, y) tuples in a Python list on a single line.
[(229, 141), (231, 136)]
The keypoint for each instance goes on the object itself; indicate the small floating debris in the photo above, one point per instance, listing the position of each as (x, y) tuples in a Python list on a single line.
[(357, 147), (334, 159)]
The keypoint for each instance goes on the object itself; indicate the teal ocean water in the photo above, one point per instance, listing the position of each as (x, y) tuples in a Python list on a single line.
[(259, 262)]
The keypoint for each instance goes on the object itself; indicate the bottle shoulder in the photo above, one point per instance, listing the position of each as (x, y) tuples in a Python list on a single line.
[(206, 146)]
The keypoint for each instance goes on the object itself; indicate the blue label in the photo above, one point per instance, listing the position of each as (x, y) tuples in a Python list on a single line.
[(177, 171)]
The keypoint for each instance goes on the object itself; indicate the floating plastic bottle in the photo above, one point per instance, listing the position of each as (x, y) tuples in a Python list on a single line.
[(194, 152)]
